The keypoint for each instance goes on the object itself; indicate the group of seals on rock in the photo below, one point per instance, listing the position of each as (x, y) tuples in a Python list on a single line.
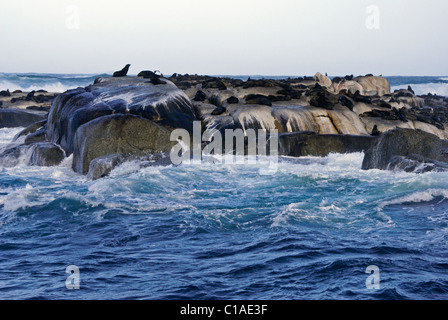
[(152, 75), (36, 100), (5, 93), (31, 96), (344, 114)]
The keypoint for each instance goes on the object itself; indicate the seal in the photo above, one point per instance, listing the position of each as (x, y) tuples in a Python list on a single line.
[(375, 131), (156, 80), (123, 72), (146, 74)]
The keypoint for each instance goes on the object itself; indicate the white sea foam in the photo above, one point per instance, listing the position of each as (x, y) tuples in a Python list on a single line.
[(126, 168), (7, 134), (326, 212), (416, 197), (440, 89), (21, 198), (67, 162), (50, 87)]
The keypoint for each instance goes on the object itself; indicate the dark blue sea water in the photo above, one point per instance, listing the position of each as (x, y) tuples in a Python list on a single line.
[(223, 231)]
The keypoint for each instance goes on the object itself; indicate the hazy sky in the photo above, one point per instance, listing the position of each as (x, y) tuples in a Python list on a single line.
[(275, 37)]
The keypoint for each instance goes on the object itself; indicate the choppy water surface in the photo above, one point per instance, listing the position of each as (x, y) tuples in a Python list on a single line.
[(223, 232)]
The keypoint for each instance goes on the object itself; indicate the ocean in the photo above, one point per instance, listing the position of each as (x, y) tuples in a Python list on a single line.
[(62, 82), (312, 231)]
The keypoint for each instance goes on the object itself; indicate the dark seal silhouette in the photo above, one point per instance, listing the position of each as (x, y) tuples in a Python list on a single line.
[(375, 131), (146, 74), (123, 72), (156, 81), (200, 96)]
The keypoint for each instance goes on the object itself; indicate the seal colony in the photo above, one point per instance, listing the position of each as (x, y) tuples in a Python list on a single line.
[(126, 117)]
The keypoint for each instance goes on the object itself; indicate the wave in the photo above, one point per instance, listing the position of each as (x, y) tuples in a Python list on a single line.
[(49, 82), (440, 89), (50, 87), (21, 198), (7, 134), (416, 197)]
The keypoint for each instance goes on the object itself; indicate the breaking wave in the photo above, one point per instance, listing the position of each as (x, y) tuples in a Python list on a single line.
[(48, 82)]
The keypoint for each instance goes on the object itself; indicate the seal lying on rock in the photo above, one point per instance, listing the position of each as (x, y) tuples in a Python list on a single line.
[(156, 81), (258, 99), (321, 98), (200, 96), (155, 78), (123, 72), (146, 74)]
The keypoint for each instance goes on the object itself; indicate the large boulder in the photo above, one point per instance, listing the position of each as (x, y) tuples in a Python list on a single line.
[(417, 164), (163, 104), (30, 129), (302, 144), (323, 80), (374, 86), (365, 85), (101, 167), (13, 155), (284, 119), (415, 145), (349, 86), (118, 134), (12, 118), (45, 154), (35, 137)]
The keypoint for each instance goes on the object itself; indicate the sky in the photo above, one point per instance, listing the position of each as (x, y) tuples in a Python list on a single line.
[(232, 37)]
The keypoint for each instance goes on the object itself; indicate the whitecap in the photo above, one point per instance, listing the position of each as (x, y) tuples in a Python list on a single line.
[(416, 197), (440, 89), (7, 134), (22, 198), (56, 87)]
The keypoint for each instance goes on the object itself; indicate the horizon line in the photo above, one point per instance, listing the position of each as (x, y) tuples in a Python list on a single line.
[(219, 75)]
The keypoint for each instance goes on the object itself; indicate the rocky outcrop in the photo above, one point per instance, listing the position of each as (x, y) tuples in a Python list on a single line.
[(166, 105), (37, 154), (121, 118), (348, 86), (101, 167), (373, 86), (324, 81), (45, 154), (296, 105), (129, 116), (118, 134), (30, 129), (304, 144), (394, 148), (366, 85), (416, 164), (35, 137), (39, 100)]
